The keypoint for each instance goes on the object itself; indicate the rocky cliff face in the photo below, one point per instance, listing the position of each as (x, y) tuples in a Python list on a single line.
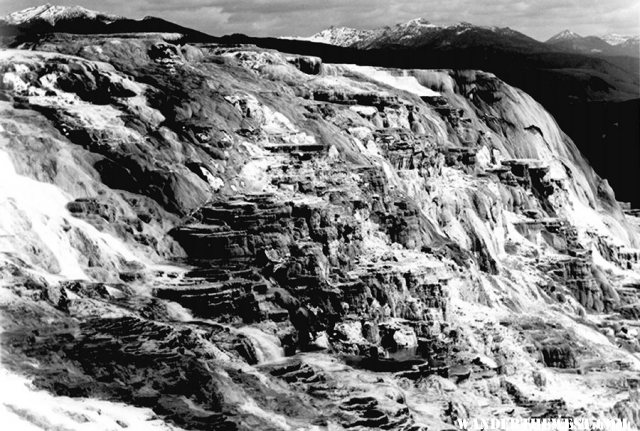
[(226, 237)]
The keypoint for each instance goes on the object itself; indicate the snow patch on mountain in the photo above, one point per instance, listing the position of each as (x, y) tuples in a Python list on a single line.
[(619, 39)]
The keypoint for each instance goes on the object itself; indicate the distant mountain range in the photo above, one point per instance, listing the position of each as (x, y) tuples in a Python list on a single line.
[(594, 95), (610, 44), (414, 33), (420, 32), (417, 32)]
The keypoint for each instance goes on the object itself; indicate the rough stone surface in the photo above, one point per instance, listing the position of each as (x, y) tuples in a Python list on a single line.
[(227, 237)]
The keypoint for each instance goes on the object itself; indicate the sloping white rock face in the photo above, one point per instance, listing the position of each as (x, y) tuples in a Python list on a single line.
[(34, 217), (399, 80), (26, 408)]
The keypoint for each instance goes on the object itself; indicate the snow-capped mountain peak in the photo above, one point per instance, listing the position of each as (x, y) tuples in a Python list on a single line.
[(418, 23), (53, 14), (410, 29), (565, 35)]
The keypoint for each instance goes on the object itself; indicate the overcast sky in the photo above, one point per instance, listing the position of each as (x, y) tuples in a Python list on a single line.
[(537, 18)]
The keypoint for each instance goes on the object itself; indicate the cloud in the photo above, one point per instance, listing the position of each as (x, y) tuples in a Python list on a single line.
[(537, 18)]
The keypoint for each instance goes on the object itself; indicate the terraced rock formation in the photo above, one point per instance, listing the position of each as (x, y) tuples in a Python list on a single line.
[(228, 237)]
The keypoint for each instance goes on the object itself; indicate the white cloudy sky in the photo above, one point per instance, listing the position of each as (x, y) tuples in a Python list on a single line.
[(537, 18)]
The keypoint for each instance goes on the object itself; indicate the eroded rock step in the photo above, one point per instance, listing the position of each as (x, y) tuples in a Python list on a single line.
[(356, 410)]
